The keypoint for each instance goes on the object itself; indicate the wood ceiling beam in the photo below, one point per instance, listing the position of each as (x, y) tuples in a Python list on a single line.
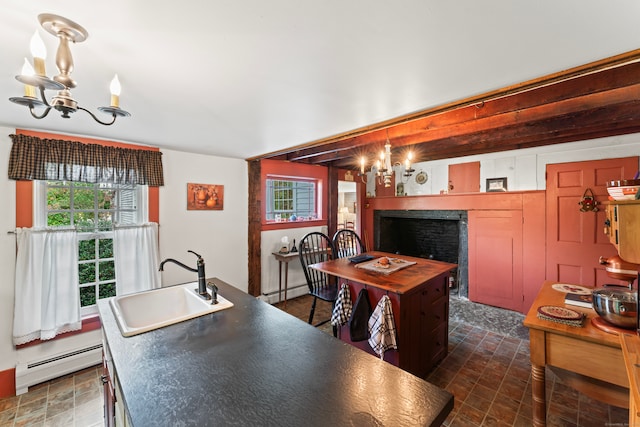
[(581, 103), (587, 124), (565, 114)]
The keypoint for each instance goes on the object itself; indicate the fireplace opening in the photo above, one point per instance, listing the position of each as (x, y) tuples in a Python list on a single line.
[(440, 235)]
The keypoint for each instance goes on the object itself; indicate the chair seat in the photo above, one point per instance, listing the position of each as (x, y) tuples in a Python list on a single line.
[(326, 293)]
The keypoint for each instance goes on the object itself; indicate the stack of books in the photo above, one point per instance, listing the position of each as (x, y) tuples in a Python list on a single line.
[(579, 300)]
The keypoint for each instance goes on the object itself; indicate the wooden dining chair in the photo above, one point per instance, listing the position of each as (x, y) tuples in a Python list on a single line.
[(347, 243), (313, 248)]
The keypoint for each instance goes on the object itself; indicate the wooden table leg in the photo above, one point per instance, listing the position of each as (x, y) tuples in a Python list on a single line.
[(280, 282), (286, 282), (539, 400), (537, 350)]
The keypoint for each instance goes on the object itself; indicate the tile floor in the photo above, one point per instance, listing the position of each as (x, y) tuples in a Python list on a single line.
[(72, 400), (487, 370)]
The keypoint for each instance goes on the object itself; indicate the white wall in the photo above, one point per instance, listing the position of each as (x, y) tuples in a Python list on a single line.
[(271, 242), (219, 236)]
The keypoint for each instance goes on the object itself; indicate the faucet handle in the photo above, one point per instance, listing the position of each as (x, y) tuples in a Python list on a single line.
[(198, 255), (214, 292)]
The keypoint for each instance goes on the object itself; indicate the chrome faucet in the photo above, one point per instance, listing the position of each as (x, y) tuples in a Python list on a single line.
[(202, 285)]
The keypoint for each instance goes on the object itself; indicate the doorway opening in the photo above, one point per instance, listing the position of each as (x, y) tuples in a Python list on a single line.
[(347, 205)]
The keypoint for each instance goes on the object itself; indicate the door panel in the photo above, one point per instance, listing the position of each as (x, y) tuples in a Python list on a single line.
[(464, 177), (575, 239), (495, 258)]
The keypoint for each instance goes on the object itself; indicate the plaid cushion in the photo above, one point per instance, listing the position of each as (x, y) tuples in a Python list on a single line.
[(343, 307), (382, 329)]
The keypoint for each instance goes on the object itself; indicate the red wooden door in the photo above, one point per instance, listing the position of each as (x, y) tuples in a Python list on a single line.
[(575, 239), (464, 177), (495, 258)]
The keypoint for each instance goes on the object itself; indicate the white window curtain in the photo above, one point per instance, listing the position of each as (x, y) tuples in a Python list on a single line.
[(46, 284), (137, 260)]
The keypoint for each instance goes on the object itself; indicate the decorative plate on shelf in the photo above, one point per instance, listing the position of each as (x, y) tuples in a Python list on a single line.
[(421, 177), (571, 289), (560, 313)]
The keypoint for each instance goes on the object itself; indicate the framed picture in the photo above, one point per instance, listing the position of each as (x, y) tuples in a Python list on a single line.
[(496, 184), (205, 197)]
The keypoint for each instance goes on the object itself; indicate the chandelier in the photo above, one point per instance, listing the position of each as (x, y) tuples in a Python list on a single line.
[(36, 81), (383, 168)]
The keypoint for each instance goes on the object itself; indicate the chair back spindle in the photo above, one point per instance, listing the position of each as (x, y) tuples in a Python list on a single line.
[(347, 243)]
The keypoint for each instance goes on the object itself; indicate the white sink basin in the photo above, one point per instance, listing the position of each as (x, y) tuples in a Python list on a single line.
[(146, 311)]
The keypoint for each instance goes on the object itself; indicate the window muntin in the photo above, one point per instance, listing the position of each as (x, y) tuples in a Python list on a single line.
[(90, 207), (93, 209), (291, 198)]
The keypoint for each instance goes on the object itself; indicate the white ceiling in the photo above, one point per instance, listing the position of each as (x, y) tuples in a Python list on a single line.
[(241, 78)]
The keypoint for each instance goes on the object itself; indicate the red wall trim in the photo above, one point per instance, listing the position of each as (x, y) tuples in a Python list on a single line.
[(8, 383), (46, 135), (88, 324), (24, 204), (295, 170)]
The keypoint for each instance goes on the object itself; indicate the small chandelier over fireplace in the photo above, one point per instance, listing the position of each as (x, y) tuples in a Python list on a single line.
[(383, 168), (35, 77)]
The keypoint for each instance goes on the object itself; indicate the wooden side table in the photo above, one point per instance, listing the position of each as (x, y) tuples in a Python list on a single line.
[(284, 259), (590, 360)]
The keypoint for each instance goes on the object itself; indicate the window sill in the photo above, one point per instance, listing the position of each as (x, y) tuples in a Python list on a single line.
[(89, 323), (292, 224)]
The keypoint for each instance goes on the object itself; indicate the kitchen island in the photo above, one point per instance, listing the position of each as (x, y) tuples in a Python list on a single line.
[(253, 364), (419, 295)]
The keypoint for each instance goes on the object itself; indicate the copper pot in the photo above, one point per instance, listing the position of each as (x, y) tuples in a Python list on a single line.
[(617, 268)]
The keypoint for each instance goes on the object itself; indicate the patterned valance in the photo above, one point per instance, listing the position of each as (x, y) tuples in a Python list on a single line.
[(33, 158)]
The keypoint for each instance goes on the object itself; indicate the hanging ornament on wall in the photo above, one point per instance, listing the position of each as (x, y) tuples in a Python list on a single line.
[(588, 202)]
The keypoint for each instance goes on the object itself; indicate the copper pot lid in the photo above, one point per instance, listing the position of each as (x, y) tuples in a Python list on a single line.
[(618, 268)]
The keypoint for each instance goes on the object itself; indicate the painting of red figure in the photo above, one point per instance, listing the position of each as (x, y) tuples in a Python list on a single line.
[(205, 197)]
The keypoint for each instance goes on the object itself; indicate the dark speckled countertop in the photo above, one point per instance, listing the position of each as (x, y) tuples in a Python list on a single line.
[(254, 365)]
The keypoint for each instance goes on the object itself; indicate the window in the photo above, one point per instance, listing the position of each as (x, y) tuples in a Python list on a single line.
[(291, 199), (92, 209)]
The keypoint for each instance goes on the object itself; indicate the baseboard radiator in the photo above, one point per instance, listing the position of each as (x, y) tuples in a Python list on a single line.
[(292, 292), (36, 372)]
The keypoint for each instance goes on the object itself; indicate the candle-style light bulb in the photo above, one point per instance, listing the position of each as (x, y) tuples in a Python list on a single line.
[(27, 70), (362, 165), (407, 163), (115, 92), (39, 52)]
